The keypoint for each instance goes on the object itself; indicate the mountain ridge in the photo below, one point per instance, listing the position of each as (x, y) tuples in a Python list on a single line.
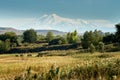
[(20, 32), (64, 24), (54, 21)]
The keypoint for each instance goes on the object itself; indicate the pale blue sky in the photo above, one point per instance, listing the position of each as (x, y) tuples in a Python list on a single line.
[(83, 9)]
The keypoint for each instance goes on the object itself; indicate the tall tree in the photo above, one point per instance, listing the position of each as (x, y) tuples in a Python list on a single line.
[(92, 48), (72, 37), (30, 36), (118, 32), (98, 36), (91, 37), (4, 46), (87, 39), (109, 38), (12, 36), (101, 47), (49, 36)]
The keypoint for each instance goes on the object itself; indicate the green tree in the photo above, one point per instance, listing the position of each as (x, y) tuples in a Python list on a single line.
[(109, 38), (30, 36), (58, 41), (87, 39), (72, 37), (98, 37), (91, 37), (118, 32), (40, 37), (49, 36), (92, 48), (4, 46), (11, 36), (101, 47)]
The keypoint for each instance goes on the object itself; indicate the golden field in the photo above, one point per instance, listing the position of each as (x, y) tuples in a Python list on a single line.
[(11, 66)]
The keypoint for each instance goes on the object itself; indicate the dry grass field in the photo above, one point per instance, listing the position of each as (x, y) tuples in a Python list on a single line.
[(11, 66)]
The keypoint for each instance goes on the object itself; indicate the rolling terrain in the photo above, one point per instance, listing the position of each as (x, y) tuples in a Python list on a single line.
[(20, 32)]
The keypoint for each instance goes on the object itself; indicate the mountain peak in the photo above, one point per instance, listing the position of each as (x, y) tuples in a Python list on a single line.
[(56, 22), (54, 14)]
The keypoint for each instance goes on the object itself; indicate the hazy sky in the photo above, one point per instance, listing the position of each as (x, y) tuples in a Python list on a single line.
[(83, 9)]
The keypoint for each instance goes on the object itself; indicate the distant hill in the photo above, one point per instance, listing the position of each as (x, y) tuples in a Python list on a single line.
[(8, 29), (19, 32), (44, 32)]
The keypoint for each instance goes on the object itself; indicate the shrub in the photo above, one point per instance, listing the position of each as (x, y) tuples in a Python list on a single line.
[(26, 44), (5, 46), (11, 36), (29, 55), (83, 51), (101, 47), (59, 54), (104, 56), (109, 47), (30, 36), (58, 41), (41, 54), (114, 49), (50, 75), (13, 44), (92, 48), (21, 55), (16, 55)]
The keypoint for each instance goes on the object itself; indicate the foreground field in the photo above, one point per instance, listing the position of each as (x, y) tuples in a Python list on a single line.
[(12, 65)]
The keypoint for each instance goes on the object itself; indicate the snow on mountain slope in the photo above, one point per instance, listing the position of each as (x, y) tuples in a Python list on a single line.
[(55, 22)]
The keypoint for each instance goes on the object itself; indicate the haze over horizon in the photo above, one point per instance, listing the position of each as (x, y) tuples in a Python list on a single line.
[(63, 15)]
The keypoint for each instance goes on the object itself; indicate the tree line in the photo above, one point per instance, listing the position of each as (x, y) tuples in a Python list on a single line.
[(91, 40)]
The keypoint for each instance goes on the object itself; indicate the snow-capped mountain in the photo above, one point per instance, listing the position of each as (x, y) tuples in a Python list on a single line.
[(59, 25), (55, 22)]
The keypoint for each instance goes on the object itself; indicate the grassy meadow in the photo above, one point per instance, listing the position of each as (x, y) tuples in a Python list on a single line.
[(72, 65), (59, 40)]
